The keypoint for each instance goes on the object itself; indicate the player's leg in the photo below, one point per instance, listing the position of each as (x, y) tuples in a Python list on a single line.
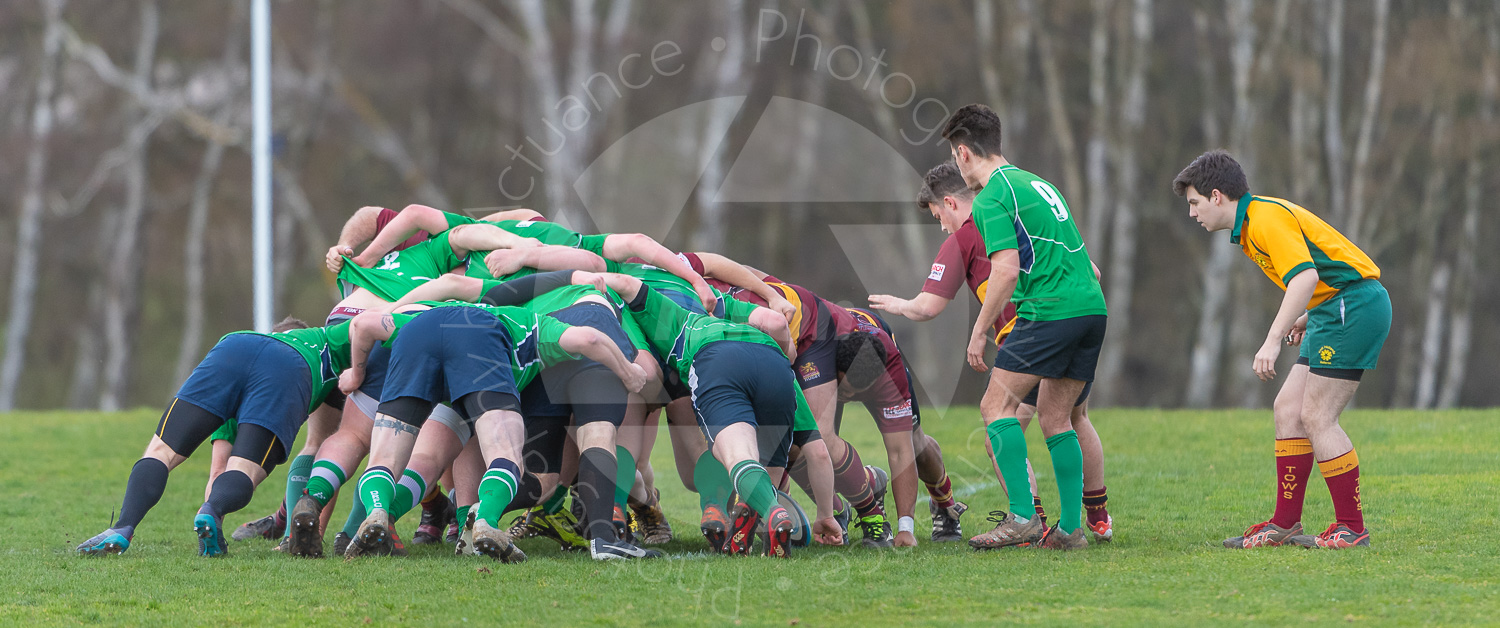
[(1007, 440), (1095, 494), (256, 452), (1294, 465), (468, 471), (852, 478), (1322, 403), (501, 433), (337, 459), (217, 464), (544, 455), (1057, 399), (181, 429), (644, 498), (1024, 414), (944, 507)]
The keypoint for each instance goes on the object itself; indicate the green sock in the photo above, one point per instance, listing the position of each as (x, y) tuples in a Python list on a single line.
[(712, 481), (496, 489), (554, 504), (409, 492), (357, 516), (754, 486), (377, 489), (626, 477), (463, 515), (323, 482), (1067, 465), (1009, 442), (296, 480)]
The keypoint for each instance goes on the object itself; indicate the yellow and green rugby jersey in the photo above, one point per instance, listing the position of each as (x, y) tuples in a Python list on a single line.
[(326, 350), (1284, 239), (535, 340), (1019, 210)]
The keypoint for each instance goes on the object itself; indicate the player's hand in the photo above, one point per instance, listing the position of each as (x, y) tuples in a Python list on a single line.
[(635, 378), (887, 303), (1265, 359), (1299, 330), (335, 257), (975, 352), (504, 262), (586, 278), (906, 539), (706, 294), (349, 381), (827, 532), (783, 307)]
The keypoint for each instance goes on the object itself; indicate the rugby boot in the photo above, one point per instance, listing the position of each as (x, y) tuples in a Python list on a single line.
[(622, 525), (779, 533), (1103, 531), (714, 526), (1009, 532), (1337, 536), (373, 538), (341, 543), (267, 527), (434, 517), (945, 527), (495, 543), (464, 546), (741, 533), (210, 536), (105, 543), (877, 531), (650, 523), (305, 540), (599, 549), (1264, 534), (1055, 539), (563, 528)]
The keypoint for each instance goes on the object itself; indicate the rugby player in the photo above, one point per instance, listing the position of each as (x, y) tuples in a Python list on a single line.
[(1039, 261), (962, 259), (1335, 307), (267, 383)]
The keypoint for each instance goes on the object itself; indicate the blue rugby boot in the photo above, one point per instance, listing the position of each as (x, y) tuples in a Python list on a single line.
[(210, 536), (108, 542)]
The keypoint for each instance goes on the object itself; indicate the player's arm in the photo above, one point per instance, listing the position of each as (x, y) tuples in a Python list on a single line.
[(513, 214), (776, 327), (597, 346), (445, 288), (1299, 291), (1005, 269), (924, 307), (735, 274), (407, 223), (503, 262), (903, 458), (623, 246), (359, 229), (482, 237), (366, 329)]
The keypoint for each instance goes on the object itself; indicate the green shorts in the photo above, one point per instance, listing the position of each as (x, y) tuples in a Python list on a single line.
[(227, 431), (1348, 330)]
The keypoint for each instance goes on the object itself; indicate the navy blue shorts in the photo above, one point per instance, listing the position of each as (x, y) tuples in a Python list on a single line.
[(744, 382), (550, 394), (378, 362), (257, 380), (1067, 348), (819, 363), (448, 352), (1030, 398)]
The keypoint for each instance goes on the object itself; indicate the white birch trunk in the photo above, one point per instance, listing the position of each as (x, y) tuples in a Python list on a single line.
[(712, 220), (1333, 131), (1359, 180), (1096, 155), (1432, 337)]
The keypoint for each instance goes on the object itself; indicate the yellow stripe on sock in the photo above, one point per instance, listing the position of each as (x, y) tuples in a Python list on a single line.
[(1340, 465), (1293, 447)]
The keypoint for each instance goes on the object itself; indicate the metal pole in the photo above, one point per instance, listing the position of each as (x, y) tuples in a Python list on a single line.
[(260, 102)]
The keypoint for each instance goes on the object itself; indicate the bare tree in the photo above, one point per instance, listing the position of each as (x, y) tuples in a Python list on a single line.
[(1333, 131), (1096, 158), (29, 227), (1057, 104), (727, 78), (1359, 180)]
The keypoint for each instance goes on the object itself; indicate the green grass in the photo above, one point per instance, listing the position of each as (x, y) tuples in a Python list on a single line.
[(1179, 482)]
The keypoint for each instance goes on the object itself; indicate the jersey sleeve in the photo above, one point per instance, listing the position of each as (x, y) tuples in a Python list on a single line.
[(442, 254), (734, 310), (996, 222), (398, 320), (1276, 233), (593, 243), (455, 220), (948, 272), (549, 333)]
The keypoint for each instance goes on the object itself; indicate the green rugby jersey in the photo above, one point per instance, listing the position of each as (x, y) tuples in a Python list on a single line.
[(554, 300), (1019, 210), (678, 335), (730, 309), (326, 351), (535, 339), (542, 231), (401, 271)]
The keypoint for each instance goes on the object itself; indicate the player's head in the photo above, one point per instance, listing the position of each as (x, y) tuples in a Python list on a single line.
[(1212, 185), (973, 134), (948, 197), (860, 360), (288, 324)]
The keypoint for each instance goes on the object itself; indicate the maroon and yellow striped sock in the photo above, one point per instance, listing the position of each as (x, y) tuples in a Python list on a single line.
[(1294, 463), (1096, 505), (1342, 475), (941, 492)]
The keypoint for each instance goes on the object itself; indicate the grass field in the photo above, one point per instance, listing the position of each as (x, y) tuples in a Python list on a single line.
[(1179, 482)]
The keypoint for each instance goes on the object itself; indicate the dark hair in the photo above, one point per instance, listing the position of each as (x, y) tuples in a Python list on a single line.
[(288, 324), (925, 197), (945, 179), (861, 358), (1213, 170), (975, 126)]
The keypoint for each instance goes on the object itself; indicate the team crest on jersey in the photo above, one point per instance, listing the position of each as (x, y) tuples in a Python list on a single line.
[(1326, 354), (808, 370), (937, 272), (1263, 261), (389, 262), (898, 412)]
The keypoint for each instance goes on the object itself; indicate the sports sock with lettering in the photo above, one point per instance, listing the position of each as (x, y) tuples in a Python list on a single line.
[(496, 489), (324, 481), (1342, 475), (1294, 465), (296, 479), (377, 489)]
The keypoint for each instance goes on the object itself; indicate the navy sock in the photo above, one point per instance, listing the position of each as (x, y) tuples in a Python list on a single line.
[(231, 491), (148, 480)]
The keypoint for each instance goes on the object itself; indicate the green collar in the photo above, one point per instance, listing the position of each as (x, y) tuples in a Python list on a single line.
[(1239, 218)]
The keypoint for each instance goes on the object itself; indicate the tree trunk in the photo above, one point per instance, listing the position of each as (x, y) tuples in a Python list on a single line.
[(1432, 337), (713, 225), (1123, 235), (29, 226), (1057, 104), (1095, 166), (124, 266), (1359, 180), (1333, 130), (1462, 323), (1422, 256)]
